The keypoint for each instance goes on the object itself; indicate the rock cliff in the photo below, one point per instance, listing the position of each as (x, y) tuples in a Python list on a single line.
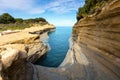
[(94, 49), (94, 52), (18, 50), (99, 39)]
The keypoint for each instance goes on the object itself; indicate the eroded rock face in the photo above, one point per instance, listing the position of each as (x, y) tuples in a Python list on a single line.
[(9, 57), (36, 50), (94, 52), (19, 50), (99, 37), (16, 60)]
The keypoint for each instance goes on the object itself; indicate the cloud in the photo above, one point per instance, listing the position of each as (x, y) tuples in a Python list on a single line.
[(36, 11), (31, 6), (13, 4), (62, 6), (20, 5)]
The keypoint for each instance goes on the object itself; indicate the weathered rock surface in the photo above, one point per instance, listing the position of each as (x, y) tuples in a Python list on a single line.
[(94, 52), (99, 39), (24, 36), (18, 50)]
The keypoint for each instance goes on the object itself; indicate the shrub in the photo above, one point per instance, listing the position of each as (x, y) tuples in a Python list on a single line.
[(8, 22), (90, 7)]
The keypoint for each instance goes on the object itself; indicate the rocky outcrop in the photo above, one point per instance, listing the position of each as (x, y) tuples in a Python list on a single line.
[(99, 39), (19, 50), (94, 52)]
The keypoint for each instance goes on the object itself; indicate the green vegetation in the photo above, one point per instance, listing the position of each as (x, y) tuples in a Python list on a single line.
[(5, 18), (90, 7), (14, 26), (9, 22)]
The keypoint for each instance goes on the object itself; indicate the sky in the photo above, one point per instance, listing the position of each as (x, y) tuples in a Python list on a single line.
[(57, 12)]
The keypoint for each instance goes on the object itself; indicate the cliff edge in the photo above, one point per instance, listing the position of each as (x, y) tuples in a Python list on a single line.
[(98, 36), (19, 50), (94, 49), (93, 54)]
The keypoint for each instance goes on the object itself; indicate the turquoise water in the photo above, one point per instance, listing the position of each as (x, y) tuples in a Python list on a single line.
[(59, 44)]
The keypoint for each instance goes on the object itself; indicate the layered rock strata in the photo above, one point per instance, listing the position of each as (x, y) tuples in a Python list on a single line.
[(99, 38), (93, 55), (94, 52), (19, 50)]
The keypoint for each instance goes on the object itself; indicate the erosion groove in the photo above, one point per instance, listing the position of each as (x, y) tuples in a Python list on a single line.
[(99, 39), (94, 49)]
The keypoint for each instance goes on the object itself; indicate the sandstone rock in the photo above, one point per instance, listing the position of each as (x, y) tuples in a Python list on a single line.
[(8, 56), (94, 54), (16, 49), (99, 39), (24, 37), (36, 50)]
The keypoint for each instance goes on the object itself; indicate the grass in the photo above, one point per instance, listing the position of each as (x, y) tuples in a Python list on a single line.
[(18, 26), (12, 26)]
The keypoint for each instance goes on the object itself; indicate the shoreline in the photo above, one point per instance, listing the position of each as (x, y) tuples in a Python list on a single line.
[(20, 49), (93, 52), (68, 54)]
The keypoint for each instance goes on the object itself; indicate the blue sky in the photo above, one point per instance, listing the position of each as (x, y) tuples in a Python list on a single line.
[(57, 12)]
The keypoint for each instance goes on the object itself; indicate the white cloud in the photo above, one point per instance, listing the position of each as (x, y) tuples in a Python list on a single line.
[(16, 4), (58, 6), (62, 6), (20, 5), (36, 11)]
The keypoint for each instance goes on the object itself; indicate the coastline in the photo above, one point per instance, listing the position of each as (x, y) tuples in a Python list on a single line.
[(20, 48), (88, 58), (68, 58)]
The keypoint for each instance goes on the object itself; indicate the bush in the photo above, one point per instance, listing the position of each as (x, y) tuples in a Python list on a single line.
[(19, 20), (9, 22)]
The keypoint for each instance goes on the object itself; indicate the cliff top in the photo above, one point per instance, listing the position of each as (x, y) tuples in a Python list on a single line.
[(23, 35)]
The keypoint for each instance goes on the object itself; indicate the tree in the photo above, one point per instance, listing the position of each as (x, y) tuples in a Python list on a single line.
[(19, 20), (36, 20), (6, 18), (40, 20), (89, 8)]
